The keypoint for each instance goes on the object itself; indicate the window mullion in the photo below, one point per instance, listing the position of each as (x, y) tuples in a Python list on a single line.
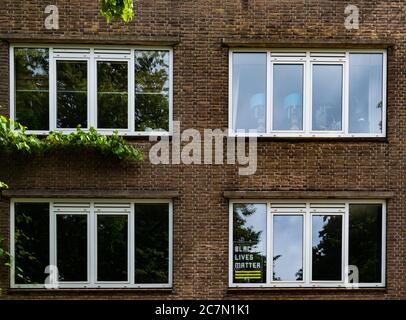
[(12, 84), (170, 243), (93, 244), (346, 243), (346, 95), (269, 93), (52, 236), (269, 260), (170, 91), (307, 245), (52, 90), (308, 95), (131, 91), (131, 245), (92, 91)]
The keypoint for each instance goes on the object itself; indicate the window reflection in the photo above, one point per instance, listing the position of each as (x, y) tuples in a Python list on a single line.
[(151, 243), (112, 244), (327, 248), (249, 244), (112, 94), (365, 93), (327, 97), (288, 97), (249, 91), (287, 248), (32, 87), (71, 93), (71, 233), (365, 241), (31, 242), (151, 90)]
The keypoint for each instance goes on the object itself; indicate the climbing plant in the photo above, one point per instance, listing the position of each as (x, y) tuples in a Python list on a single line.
[(13, 139), (117, 9)]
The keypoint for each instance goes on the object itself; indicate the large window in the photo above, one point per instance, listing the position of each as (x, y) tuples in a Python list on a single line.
[(124, 89), (92, 244), (308, 94), (307, 243)]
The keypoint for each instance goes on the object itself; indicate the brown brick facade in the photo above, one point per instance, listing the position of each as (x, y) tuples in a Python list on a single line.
[(200, 100)]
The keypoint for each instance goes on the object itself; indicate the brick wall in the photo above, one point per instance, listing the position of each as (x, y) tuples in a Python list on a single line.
[(201, 101)]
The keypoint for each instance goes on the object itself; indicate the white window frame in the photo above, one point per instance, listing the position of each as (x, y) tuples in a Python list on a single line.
[(308, 58), (333, 207), (92, 243), (94, 54)]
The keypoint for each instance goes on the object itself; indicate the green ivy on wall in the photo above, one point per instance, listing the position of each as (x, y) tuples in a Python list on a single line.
[(117, 9), (13, 139)]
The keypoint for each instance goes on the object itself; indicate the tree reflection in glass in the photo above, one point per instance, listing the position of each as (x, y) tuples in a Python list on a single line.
[(112, 248), (151, 90), (151, 243), (249, 243), (32, 87), (327, 248), (31, 242), (71, 95), (72, 247), (112, 94), (365, 241)]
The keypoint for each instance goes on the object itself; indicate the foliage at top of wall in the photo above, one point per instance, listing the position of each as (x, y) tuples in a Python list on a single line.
[(117, 9)]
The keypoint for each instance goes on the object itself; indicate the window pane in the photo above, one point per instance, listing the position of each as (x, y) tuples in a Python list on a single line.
[(288, 248), (71, 93), (31, 242), (327, 248), (72, 247), (151, 90), (288, 97), (112, 248), (32, 87), (249, 91), (249, 243), (112, 94), (151, 243), (365, 93), (365, 241), (327, 97)]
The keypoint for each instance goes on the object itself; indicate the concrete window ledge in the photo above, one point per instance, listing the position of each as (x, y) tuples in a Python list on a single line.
[(90, 193), (92, 39), (87, 291), (375, 195), (245, 290), (308, 44)]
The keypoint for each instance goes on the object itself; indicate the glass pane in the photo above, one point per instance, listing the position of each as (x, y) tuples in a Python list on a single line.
[(155, 118), (112, 248), (288, 97), (151, 90), (365, 93), (72, 247), (31, 242), (71, 93), (288, 248), (327, 97), (365, 241), (32, 87), (327, 248), (249, 91), (151, 243), (112, 94), (249, 243)]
